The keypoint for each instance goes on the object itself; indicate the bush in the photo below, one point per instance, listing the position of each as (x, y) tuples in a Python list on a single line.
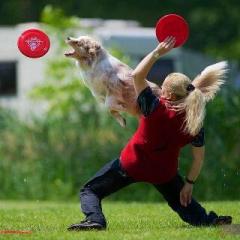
[(53, 155)]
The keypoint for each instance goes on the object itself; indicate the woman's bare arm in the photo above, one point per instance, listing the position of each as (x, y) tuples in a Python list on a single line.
[(198, 158), (195, 169), (140, 72)]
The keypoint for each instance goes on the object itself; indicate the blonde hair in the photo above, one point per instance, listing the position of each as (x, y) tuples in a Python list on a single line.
[(191, 96)]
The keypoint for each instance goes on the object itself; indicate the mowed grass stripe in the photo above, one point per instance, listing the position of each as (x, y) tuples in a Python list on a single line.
[(126, 221)]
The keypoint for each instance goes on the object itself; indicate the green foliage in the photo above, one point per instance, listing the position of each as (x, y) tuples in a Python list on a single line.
[(214, 25), (52, 156), (55, 17), (221, 171), (55, 154)]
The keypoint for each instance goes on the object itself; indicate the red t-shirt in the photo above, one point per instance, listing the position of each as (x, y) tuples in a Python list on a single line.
[(151, 155)]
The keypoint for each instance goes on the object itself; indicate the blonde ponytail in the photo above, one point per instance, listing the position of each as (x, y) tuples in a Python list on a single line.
[(206, 86), (194, 106), (210, 79), (192, 96)]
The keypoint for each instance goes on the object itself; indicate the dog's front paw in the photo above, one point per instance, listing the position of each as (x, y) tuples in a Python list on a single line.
[(122, 122)]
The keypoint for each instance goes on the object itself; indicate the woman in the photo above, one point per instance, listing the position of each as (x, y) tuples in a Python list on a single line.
[(151, 155)]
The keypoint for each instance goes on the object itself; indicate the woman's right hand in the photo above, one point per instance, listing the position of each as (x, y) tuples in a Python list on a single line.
[(186, 194), (164, 47)]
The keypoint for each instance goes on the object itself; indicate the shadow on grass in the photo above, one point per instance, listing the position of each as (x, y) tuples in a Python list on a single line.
[(231, 229), (226, 229)]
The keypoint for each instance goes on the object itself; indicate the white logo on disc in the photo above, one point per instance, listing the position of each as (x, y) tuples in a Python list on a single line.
[(33, 43)]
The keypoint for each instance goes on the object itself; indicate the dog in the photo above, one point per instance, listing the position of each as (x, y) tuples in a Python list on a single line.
[(109, 80)]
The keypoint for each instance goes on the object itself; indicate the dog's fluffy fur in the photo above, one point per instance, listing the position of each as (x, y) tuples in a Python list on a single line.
[(109, 79)]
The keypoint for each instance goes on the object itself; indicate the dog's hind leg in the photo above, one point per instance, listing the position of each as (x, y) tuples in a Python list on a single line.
[(115, 106)]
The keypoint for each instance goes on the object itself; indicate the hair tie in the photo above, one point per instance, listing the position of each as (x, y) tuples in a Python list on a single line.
[(190, 87)]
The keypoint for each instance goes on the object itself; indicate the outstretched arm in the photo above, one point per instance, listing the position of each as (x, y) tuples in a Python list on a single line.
[(198, 158), (140, 72)]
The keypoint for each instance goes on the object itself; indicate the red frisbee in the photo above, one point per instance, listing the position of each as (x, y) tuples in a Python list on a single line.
[(172, 25), (33, 43)]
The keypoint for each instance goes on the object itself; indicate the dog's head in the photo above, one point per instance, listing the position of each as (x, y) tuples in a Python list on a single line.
[(85, 49)]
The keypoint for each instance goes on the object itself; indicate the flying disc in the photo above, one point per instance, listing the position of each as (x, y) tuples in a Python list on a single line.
[(172, 25), (33, 43)]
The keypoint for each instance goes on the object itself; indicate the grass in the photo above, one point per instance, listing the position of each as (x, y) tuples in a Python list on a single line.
[(127, 221)]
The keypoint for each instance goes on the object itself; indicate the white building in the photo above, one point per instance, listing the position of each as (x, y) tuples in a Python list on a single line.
[(19, 74)]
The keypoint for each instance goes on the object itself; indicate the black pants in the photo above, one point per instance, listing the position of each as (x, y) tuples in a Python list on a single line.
[(112, 177)]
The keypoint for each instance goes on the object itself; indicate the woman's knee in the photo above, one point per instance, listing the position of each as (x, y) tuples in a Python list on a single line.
[(90, 189)]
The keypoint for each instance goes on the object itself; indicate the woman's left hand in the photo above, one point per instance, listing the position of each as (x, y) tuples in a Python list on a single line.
[(186, 194)]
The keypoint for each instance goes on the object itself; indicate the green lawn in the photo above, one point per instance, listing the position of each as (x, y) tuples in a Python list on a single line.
[(130, 221)]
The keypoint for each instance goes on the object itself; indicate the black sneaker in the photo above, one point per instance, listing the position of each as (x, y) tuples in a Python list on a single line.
[(86, 225), (222, 220)]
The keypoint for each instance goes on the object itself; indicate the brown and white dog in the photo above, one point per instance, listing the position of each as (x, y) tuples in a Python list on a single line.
[(108, 79)]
